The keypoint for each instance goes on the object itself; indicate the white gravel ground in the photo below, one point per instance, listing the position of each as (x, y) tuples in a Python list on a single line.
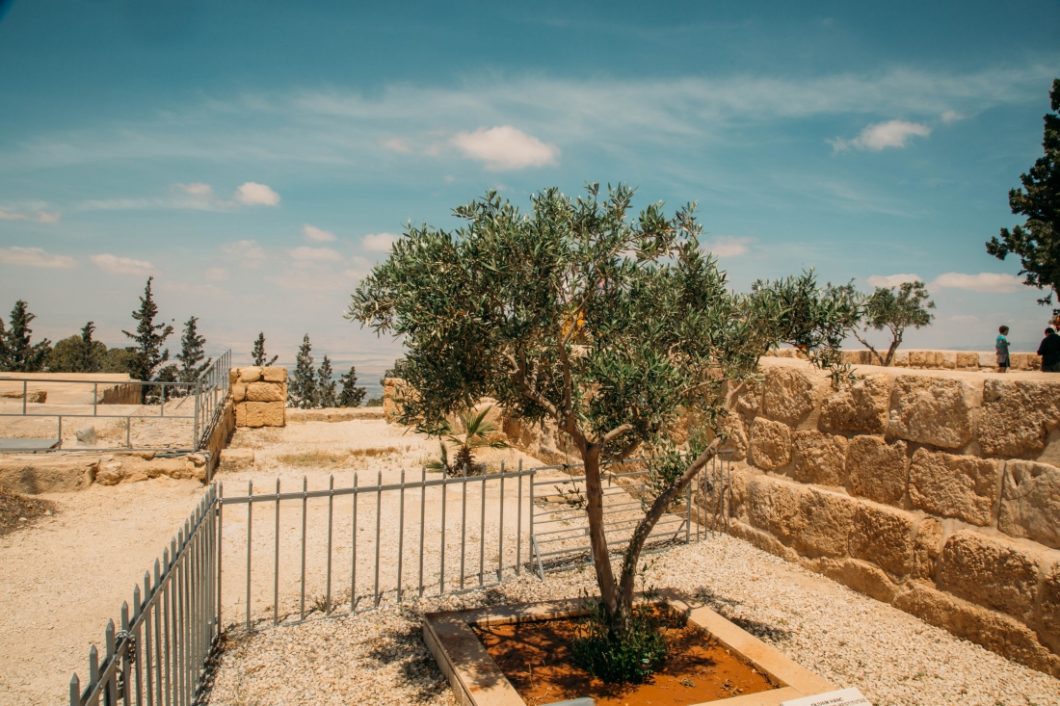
[(378, 657)]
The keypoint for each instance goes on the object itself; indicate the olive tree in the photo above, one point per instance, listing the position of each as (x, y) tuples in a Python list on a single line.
[(895, 309), (607, 326)]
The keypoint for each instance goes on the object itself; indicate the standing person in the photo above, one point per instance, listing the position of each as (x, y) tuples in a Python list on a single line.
[(1049, 350), (1001, 348)]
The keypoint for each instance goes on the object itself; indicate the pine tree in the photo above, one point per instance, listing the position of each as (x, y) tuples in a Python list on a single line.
[(149, 338), (87, 355), (325, 384), (351, 395), (19, 352), (191, 352), (258, 354), (303, 389)]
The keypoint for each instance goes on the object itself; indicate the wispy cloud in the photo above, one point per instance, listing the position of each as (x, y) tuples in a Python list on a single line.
[(893, 134), (248, 253), (35, 257), (949, 117), (728, 245), (894, 280), (307, 254), (378, 242), (252, 193), (981, 282), (118, 265), (317, 235), (505, 148), (39, 216)]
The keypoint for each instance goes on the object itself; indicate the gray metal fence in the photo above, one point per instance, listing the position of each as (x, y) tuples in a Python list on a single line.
[(174, 416), (284, 555)]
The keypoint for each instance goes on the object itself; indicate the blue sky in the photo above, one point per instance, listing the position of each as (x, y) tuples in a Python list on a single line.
[(257, 158)]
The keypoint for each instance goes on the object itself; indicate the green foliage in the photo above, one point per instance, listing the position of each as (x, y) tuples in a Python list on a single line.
[(623, 655), (192, 352), (18, 352), (326, 385), (374, 402), (119, 360), (1037, 241), (78, 354), (475, 433), (303, 388), (896, 309), (351, 395), (148, 338), (258, 354)]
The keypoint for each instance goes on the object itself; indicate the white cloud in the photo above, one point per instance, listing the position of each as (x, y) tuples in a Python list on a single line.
[(949, 117), (981, 282), (318, 235), (396, 144), (893, 134), (378, 242), (196, 189), (34, 257), (118, 265), (894, 280), (505, 147), (728, 245), (308, 254), (40, 216), (247, 252), (254, 194)]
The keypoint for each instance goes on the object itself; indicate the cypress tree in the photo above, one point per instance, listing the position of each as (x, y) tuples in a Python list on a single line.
[(149, 338), (351, 395), (87, 358), (192, 352), (325, 385), (258, 353), (19, 352), (303, 388)]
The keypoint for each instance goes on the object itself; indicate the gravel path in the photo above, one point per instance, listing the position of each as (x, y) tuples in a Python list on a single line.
[(378, 657)]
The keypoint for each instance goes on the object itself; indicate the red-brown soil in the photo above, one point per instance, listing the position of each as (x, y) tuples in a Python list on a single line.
[(536, 659), (18, 511)]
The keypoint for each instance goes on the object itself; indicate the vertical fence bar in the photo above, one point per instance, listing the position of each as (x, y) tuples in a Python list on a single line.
[(25, 396), (305, 500), (531, 511), (250, 532), (139, 643), (519, 524), (95, 397), (162, 409), (197, 391), (423, 510), (159, 655), (688, 513), (482, 534), (463, 526), (500, 533), (220, 550), (93, 667), (401, 533), (149, 655), (75, 691), (128, 432), (126, 662), (276, 562), (441, 553), (378, 520), (353, 571), (331, 512)]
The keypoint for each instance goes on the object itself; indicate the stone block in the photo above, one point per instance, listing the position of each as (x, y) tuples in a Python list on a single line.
[(732, 428), (877, 470), (773, 506), (947, 485), (930, 536), (233, 375), (241, 414), (918, 359), (274, 373), (1047, 611), (884, 536), (1030, 502), (993, 574), (901, 359), (239, 391), (763, 540), (858, 408), (967, 360), (994, 631), (861, 576), (987, 360), (819, 458), (770, 444), (265, 392), (788, 395), (250, 374), (263, 414), (1017, 416), (936, 411), (822, 527)]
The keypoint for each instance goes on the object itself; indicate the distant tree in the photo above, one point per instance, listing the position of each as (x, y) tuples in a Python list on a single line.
[(119, 360), (475, 433), (19, 351), (326, 384), (1037, 241), (258, 354), (374, 402), (3, 345), (192, 352), (896, 309), (351, 395), (149, 339), (78, 354), (303, 388)]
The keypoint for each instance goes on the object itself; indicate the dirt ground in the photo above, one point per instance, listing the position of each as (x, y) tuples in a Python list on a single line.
[(16, 511)]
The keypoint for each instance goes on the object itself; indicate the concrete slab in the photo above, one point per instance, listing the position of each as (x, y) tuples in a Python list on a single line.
[(24, 445)]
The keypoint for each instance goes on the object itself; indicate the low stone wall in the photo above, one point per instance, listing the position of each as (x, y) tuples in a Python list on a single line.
[(932, 359), (259, 395), (936, 492), (219, 438)]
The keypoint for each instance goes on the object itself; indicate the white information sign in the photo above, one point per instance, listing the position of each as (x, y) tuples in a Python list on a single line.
[(843, 697)]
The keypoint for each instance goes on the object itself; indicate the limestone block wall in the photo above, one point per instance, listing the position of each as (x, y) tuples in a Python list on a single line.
[(933, 359), (937, 492), (259, 395)]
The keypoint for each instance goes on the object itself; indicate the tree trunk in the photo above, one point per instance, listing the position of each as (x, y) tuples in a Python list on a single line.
[(594, 508)]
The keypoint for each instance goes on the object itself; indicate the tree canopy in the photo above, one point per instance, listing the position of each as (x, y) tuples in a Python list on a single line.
[(149, 338), (258, 354), (351, 395), (1037, 240), (17, 350), (609, 326), (303, 387), (895, 309), (192, 356)]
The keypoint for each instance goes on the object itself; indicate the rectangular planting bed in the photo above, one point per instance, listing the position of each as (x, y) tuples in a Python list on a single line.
[(496, 656)]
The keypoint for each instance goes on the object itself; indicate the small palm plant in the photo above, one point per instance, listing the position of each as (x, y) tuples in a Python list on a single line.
[(476, 434)]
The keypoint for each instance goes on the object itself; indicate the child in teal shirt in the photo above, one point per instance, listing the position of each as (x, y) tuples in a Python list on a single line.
[(1001, 348)]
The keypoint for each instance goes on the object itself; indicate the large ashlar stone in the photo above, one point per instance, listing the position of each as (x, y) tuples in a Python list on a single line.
[(857, 408), (884, 536), (861, 576), (935, 411), (984, 571), (824, 523), (967, 360), (239, 391), (819, 458), (788, 395), (260, 414), (965, 487), (748, 398), (274, 373), (265, 392), (770, 444), (1030, 502), (877, 470), (732, 428), (773, 506), (250, 374), (994, 631), (1017, 416), (1047, 612)]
